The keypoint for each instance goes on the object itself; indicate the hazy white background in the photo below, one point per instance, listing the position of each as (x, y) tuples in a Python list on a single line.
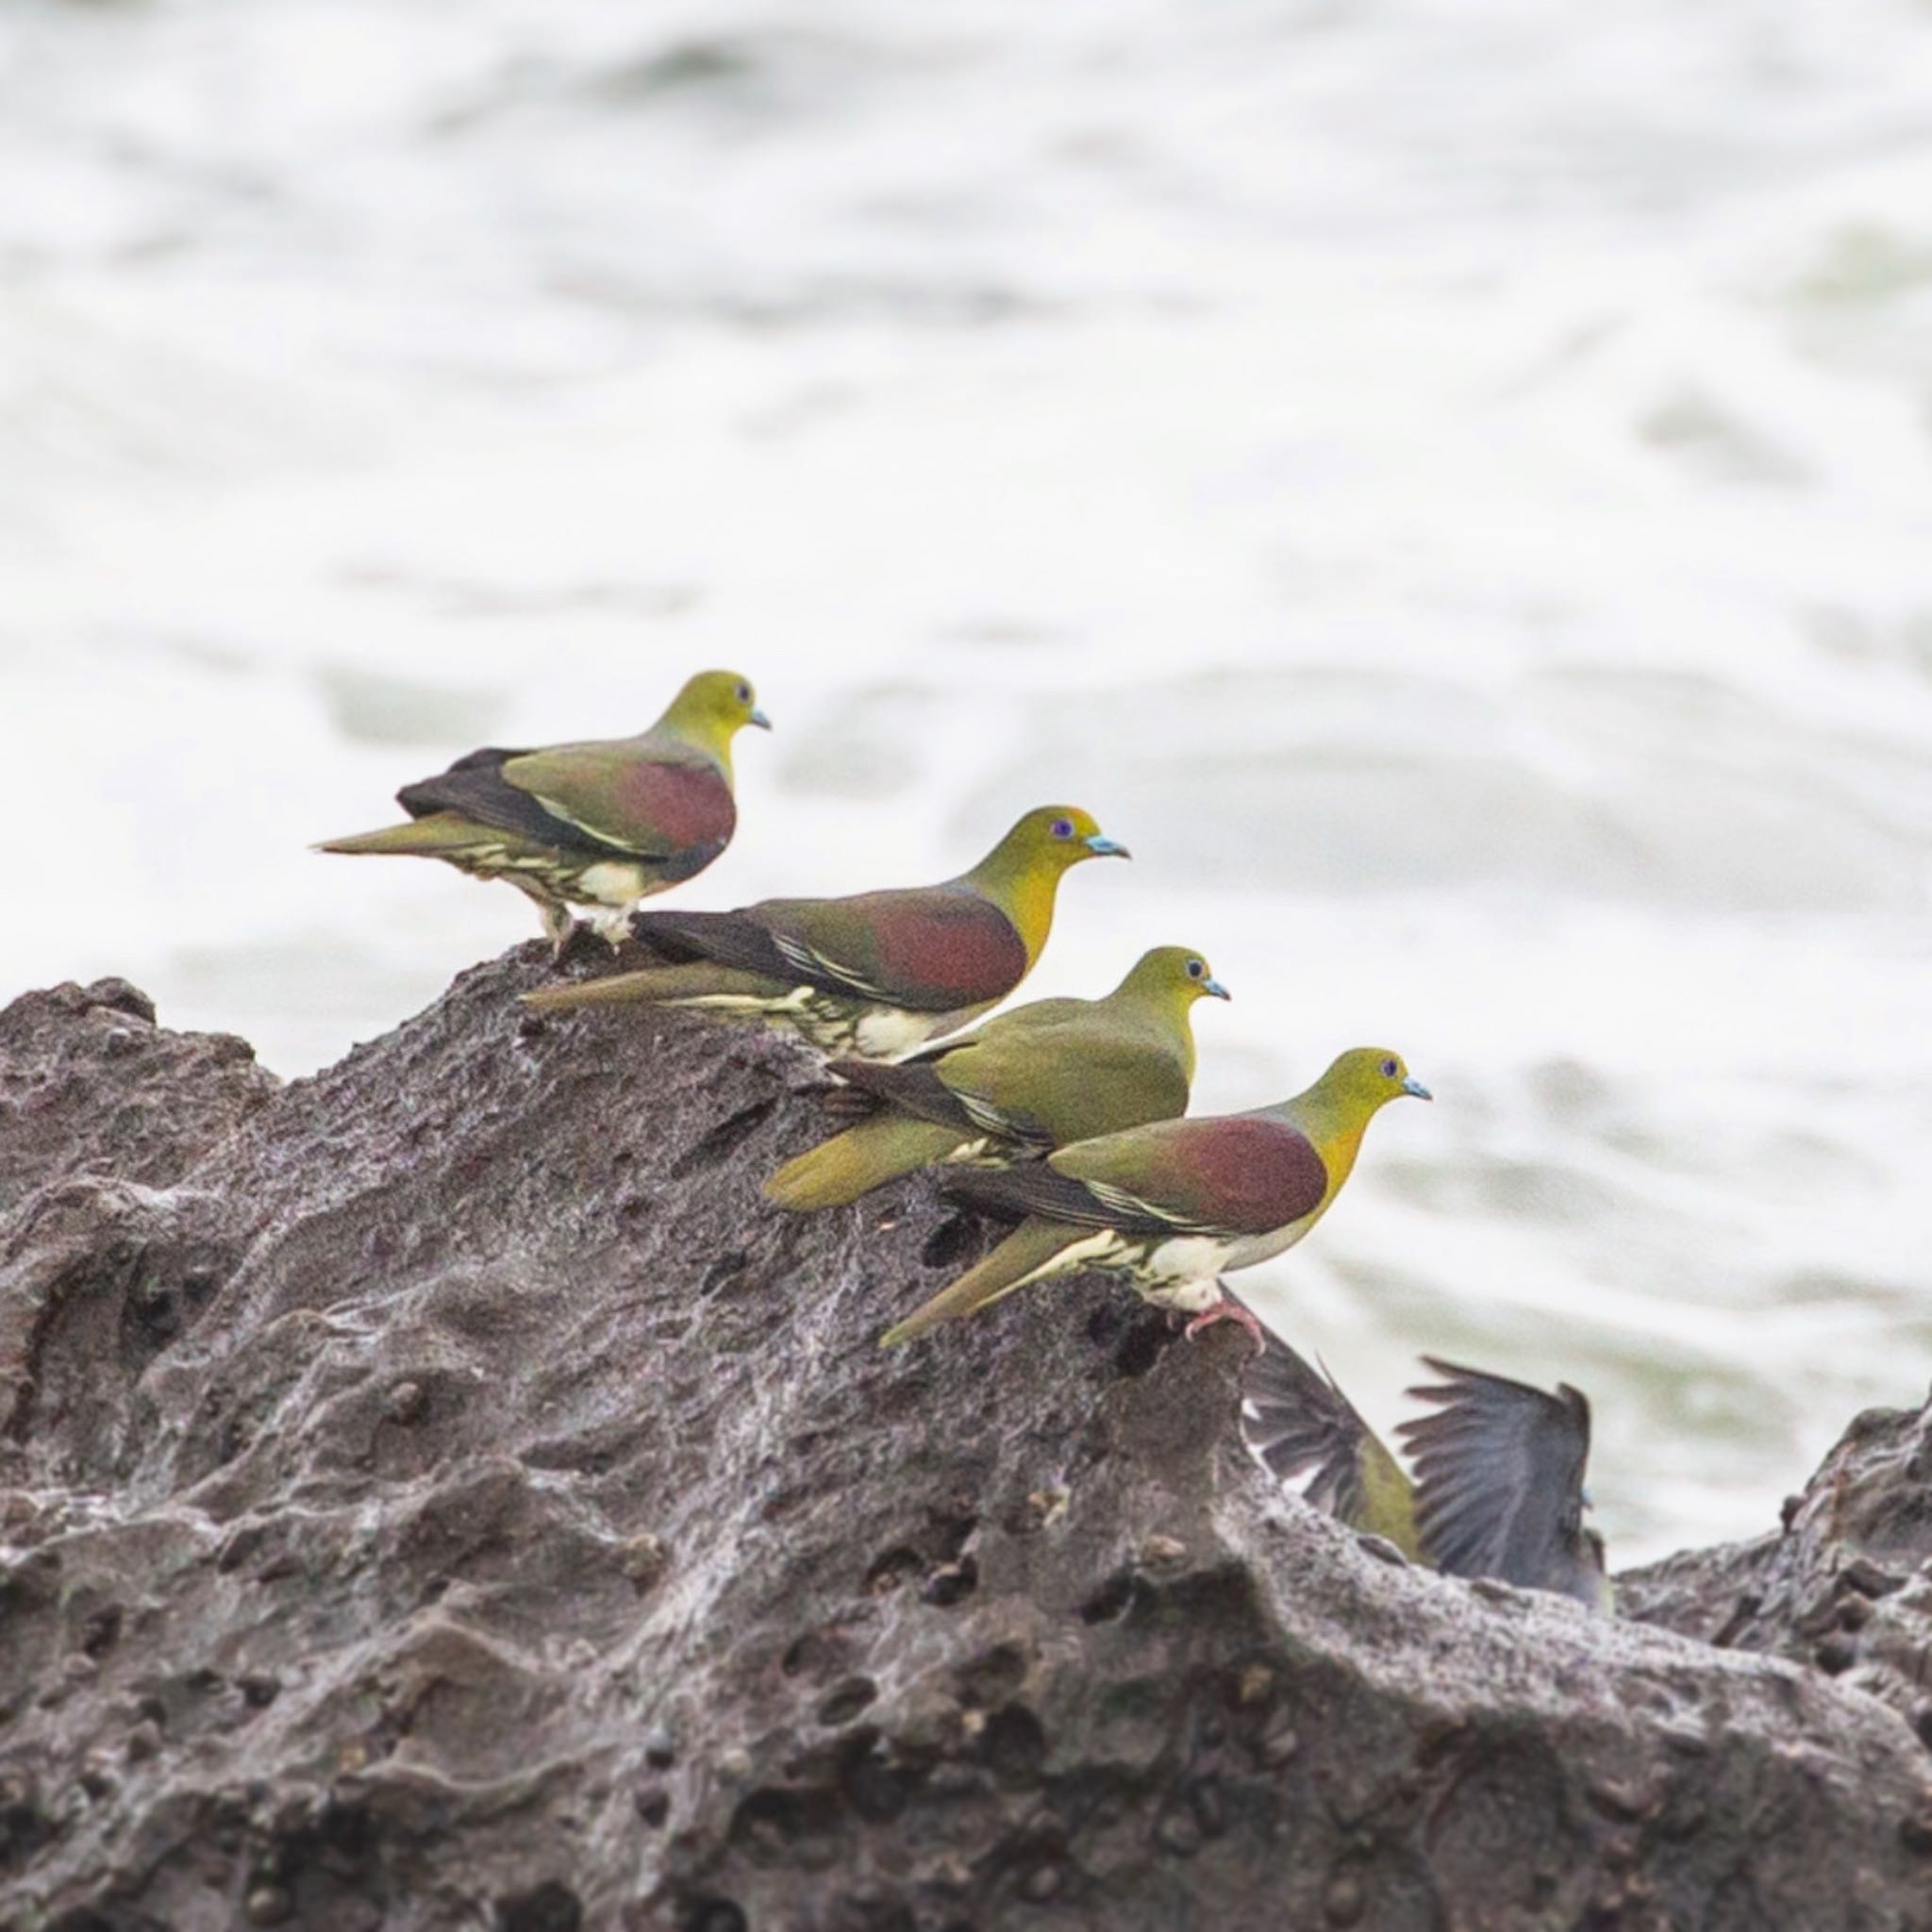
[(1449, 481)]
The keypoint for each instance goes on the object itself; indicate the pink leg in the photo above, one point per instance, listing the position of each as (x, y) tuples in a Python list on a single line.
[(1226, 1312)]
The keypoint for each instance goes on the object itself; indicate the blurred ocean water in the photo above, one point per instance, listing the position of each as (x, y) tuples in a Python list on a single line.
[(1450, 484)]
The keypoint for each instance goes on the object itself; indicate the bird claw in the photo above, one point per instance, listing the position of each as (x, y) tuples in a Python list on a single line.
[(1227, 1311), (577, 943), (611, 923)]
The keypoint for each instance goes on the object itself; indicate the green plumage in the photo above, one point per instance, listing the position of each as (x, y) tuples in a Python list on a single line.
[(860, 1159), (1031, 1248), (1047, 1073), (875, 974), (602, 823), (1174, 1204)]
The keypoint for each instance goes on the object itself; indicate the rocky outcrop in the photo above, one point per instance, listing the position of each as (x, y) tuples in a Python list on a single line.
[(89, 1084), (1845, 1584), (440, 1494)]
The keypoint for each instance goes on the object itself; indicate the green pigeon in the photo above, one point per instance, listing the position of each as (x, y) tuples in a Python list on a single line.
[(602, 824), (1025, 1083), (876, 975), (1174, 1204), (1499, 1465)]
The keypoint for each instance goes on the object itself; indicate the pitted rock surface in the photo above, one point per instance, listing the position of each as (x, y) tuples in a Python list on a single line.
[(1845, 1584), (440, 1494), (88, 1081)]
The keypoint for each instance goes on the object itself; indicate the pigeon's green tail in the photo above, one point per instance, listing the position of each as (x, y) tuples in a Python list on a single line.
[(438, 836), (1015, 1263), (702, 980), (860, 1159)]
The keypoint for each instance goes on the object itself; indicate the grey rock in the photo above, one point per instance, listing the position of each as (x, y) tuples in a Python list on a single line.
[(666, 1599), (171, 1099), (1845, 1584)]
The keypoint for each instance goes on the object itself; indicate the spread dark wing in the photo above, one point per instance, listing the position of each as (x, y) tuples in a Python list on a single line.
[(1294, 1420), (474, 788), (1499, 1476)]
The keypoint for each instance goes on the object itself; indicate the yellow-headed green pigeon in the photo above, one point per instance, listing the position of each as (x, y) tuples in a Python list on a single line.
[(602, 825), (1026, 1082), (874, 975), (1174, 1204)]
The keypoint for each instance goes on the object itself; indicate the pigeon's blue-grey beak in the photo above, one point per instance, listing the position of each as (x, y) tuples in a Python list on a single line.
[(1215, 991), (1412, 1084), (1107, 848), (758, 718)]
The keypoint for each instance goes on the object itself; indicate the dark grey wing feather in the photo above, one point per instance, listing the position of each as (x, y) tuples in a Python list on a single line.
[(1294, 1420), (756, 940), (1037, 1188), (742, 939), (729, 938), (475, 788), (1022, 1132), (1499, 1476), (912, 1086)]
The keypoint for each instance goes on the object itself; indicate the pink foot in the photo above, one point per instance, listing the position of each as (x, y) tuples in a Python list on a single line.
[(1227, 1311)]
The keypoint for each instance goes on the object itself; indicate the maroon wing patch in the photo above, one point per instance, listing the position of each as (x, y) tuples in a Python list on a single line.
[(928, 949), (1235, 1174), (1227, 1174), (688, 806), (945, 949), (1246, 1173)]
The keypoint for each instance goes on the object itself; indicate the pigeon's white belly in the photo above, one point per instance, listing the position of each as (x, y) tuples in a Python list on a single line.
[(874, 1033), (610, 882), (887, 1032), (1181, 1271), (1183, 1259), (1177, 1270), (1191, 1296)]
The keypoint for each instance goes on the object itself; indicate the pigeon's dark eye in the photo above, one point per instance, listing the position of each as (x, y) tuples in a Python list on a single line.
[(1195, 969), (1061, 829), (1389, 1068), (744, 693)]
